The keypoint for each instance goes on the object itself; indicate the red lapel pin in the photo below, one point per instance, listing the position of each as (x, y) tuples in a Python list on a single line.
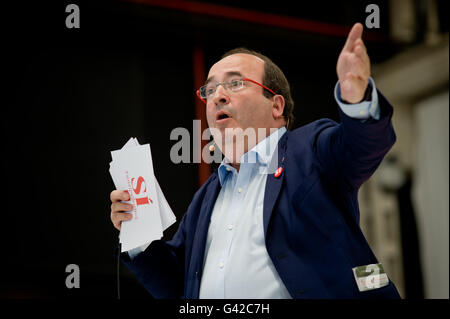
[(278, 172)]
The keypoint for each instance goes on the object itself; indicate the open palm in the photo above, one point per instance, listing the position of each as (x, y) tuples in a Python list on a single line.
[(353, 67)]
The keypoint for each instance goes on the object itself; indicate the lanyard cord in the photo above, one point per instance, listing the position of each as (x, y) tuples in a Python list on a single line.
[(118, 271)]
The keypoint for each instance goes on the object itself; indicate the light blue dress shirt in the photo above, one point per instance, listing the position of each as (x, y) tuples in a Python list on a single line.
[(236, 262)]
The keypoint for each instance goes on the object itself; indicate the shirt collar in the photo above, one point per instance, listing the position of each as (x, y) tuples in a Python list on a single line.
[(261, 152)]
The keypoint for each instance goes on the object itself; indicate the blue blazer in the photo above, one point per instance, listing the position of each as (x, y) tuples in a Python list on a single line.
[(311, 216)]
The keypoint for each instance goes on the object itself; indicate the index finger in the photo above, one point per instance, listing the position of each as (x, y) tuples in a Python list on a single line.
[(354, 34), (118, 195)]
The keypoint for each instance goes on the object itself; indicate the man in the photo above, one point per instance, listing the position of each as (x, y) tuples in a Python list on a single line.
[(290, 233)]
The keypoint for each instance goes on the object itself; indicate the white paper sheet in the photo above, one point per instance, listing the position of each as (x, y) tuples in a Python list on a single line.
[(132, 170)]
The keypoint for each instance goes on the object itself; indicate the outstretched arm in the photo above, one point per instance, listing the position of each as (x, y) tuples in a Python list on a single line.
[(352, 150)]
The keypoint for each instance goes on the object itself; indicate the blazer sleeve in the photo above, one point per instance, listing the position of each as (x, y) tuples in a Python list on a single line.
[(352, 150), (160, 268)]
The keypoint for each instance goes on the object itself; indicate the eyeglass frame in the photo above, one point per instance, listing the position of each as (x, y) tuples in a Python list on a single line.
[(242, 79)]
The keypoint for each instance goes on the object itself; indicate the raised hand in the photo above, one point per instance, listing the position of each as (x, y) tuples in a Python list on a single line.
[(353, 67)]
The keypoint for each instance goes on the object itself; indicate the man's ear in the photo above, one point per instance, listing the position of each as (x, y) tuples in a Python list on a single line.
[(278, 106)]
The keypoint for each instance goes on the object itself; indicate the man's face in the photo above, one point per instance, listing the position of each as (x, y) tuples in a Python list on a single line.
[(246, 108)]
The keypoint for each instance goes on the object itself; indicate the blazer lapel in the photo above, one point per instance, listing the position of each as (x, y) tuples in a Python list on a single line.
[(273, 184), (201, 232), (205, 214)]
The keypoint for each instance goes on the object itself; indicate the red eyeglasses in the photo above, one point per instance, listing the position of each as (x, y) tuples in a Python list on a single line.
[(208, 90)]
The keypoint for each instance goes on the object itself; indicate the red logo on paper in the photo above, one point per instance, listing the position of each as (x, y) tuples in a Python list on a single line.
[(139, 189), (144, 199)]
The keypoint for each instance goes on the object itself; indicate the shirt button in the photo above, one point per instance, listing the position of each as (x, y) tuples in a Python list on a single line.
[(221, 265), (239, 189), (230, 227)]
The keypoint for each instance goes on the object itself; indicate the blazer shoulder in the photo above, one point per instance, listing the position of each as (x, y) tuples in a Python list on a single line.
[(309, 132), (313, 127)]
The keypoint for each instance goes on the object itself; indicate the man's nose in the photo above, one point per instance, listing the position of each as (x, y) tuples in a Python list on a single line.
[(221, 96)]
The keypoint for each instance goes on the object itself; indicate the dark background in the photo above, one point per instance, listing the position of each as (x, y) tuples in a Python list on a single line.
[(73, 95)]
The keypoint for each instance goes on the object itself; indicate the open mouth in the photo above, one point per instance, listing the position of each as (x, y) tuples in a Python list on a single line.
[(222, 116)]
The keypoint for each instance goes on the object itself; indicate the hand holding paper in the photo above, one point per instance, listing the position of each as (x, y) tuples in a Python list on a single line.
[(132, 170)]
